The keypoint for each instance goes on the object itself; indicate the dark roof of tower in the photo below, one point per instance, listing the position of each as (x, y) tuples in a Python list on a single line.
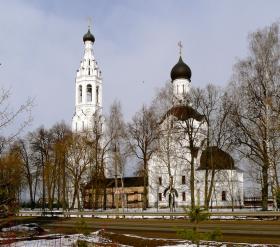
[(215, 158), (88, 37), (183, 113), (181, 70)]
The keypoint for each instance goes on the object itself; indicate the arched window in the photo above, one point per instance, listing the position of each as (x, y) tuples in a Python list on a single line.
[(88, 71), (97, 95), (80, 93), (89, 93), (183, 88)]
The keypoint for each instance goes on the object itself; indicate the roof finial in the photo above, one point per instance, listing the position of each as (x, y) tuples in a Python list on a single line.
[(180, 47), (89, 20)]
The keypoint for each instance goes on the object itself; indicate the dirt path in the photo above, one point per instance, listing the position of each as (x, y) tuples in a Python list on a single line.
[(267, 232)]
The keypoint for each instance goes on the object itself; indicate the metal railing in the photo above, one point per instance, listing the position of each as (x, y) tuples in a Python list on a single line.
[(164, 215)]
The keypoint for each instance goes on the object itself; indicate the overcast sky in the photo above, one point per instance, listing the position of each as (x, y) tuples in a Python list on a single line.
[(136, 42)]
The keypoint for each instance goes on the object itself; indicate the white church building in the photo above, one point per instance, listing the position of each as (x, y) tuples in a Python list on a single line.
[(169, 169), (183, 129)]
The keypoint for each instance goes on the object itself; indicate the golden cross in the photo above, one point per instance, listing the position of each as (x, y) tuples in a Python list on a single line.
[(180, 47), (89, 20)]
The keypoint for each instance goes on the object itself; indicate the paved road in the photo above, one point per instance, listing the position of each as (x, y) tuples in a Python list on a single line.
[(240, 230)]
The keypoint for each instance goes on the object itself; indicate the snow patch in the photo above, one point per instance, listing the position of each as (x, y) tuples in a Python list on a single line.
[(22, 228)]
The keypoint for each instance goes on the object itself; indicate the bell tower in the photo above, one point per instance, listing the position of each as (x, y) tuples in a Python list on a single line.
[(88, 88), (181, 79)]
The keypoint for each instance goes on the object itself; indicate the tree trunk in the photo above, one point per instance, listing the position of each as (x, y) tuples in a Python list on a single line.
[(206, 202), (210, 191), (64, 205), (74, 198), (104, 196), (192, 181), (44, 192), (31, 191), (265, 187), (122, 194), (145, 192), (35, 185)]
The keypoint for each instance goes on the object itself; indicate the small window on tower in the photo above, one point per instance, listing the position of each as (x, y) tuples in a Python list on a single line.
[(224, 195), (97, 95), (80, 93), (183, 88), (159, 180), (89, 93), (159, 197), (89, 62), (183, 196), (183, 179), (88, 71)]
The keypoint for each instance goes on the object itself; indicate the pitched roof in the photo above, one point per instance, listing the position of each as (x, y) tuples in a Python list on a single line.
[(128, 182), (183, 113), (215, 158)]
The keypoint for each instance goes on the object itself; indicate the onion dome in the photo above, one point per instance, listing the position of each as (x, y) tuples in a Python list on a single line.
[(88, 37), (181, 70)]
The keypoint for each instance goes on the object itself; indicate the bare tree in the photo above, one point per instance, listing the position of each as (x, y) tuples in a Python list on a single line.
[(117, 136), (168, 155), (255, 100), (61, 136), (213, 104), (78, 162), (13, 122), (99, 144), (29, 169), (41, 144), (11, 179), (192, 127), (163, 100), (142, 135)]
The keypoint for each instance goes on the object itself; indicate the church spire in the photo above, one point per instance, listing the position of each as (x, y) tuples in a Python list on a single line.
[(89, 36), (180, 48), (88, 88)]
